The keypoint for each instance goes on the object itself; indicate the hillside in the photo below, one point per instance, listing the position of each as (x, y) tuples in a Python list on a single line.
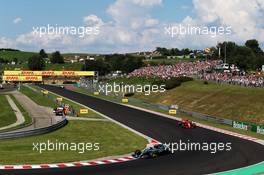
[(20, 55), (226, 101)]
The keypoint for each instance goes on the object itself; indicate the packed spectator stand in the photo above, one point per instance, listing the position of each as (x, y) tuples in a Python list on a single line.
[(200, 69)]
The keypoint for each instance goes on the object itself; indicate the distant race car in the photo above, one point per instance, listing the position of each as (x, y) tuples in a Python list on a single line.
[(59, 111), (186, 123), (152, 152)]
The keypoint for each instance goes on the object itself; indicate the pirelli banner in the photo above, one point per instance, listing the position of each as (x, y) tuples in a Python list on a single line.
[(22, 78), (49, 73)]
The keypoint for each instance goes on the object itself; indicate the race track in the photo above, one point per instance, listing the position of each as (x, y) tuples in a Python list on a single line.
[(243, 152)]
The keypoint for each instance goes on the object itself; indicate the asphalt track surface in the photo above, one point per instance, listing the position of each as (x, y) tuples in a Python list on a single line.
[(243, 152)]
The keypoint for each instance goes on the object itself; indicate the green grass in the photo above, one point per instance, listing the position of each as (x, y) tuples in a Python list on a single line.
[(226, 127), (28, 119), (112, 139), (225, 101), (22, 66), (55, 67), (20, 55), (180, 115), (37, 97), (7, 115), (65, 66)]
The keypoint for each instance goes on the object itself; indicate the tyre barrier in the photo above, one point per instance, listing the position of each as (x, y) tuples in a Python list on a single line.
[(44, 130)]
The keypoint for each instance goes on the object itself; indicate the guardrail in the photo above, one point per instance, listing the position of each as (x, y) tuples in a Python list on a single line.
[(72, 110), (235, 124), (11, 134), (193, 114)]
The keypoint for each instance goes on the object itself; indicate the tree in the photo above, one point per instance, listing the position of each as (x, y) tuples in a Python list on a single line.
[(116, 61), (186, 51), (15, 60), (35, 62), (248, 57), (56, 57), (244, 57), (131, 63), (163, 51), (43, 54), (254, 46), (96, 65), (124, 63), (229, 48)]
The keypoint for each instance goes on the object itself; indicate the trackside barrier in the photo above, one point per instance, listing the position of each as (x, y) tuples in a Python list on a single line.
[(10, 135), (193, 114), (59, 101), (208, 117), (248, 127), (236, 124)]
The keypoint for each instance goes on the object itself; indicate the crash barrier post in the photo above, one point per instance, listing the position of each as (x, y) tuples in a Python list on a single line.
[(38, 131)]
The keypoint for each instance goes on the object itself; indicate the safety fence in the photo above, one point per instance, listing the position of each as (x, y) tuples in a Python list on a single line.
[(71, 110), (38, 131), (236, 124)]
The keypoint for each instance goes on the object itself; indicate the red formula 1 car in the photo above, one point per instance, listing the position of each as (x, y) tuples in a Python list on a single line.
[(186, 123)]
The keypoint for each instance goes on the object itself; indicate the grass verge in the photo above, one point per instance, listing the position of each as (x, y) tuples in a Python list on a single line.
[(180, 115), (37, 98), (76, 107), (112, 139), (7, 115), (224, 101), (28, 119)]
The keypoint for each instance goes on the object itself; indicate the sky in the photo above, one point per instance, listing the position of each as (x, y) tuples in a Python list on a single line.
[(128, 25)]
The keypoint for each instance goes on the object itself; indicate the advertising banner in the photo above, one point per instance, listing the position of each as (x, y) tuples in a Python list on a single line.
[(241, 125), (257, 129), (83, 111), (22, 78), (172, 111), (124, 100), (249, 127), (59, 98), (50, 73), (45, 92)]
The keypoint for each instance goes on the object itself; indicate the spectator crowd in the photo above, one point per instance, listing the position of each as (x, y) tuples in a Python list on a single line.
[(199, 69), (179, 69), (234, 79)]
